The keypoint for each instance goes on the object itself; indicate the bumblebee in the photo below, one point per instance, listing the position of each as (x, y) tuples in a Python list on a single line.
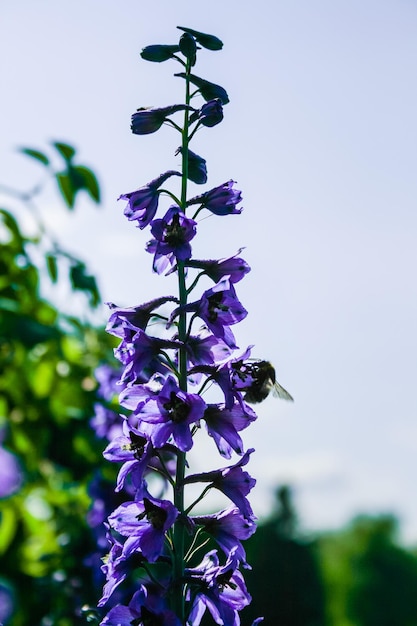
[(264, 382)]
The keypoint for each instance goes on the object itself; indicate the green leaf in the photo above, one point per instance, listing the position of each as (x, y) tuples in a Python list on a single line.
[(75, 178), (52, 266), (12, 225), (207, 41), (159, 53), (81, 281), (65, 150), (25, 329), (41, 378), (35, 154), (66, 188), (89, 182), (8, 526)]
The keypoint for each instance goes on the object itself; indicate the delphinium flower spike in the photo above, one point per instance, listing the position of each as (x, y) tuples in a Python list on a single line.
[(183, 376)]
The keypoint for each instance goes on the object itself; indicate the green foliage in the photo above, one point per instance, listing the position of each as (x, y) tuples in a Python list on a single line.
[(70, 180), (75, 178), (36, 154), (84, 282), (285, 580), (47, 397), (370, 579)]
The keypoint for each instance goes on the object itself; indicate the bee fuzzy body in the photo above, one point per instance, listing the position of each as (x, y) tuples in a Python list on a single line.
[(264, 381)]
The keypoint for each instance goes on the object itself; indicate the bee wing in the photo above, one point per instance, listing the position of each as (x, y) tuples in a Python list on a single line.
[(279, 392)]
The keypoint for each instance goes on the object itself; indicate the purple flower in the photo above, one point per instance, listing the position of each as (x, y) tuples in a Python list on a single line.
[(115, 569), (133, 318), (139, 458), (141, 352), (220, 589), (143, 203), (225, 424), (232, 481), (204, 349), (228, 527), (146, 607), (221, 200), (144, 523), (170, 414), (210, 114), (11, 476), (234, 267), (172, 235), (107, 378), (197, 168), (105, 422), (147, 120), (218, 308), (228, 377), (134, 450)]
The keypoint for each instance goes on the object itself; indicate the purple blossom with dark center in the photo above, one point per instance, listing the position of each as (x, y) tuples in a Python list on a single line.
[(221, 200), (172, 235), (134, 450), (234, 482), (219, 308), (224, 425), (170, 414), (115, 568), (145, 524), (218, 588), (140, 353), (142, 204), (133, 318), (228, 527), (234, 267), (147, 120), (147, 607)]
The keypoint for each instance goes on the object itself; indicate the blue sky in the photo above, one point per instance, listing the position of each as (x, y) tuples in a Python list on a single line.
[(320, 134)]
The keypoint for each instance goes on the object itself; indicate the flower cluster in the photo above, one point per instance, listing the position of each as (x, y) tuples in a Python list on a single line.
[(178, 380)]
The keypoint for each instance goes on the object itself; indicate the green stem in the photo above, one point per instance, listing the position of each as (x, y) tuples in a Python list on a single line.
[(197, 278), (179, 530), (200, 497), (172, 195)]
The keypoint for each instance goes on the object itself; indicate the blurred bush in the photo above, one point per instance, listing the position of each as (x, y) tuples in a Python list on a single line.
[(48, 451)]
